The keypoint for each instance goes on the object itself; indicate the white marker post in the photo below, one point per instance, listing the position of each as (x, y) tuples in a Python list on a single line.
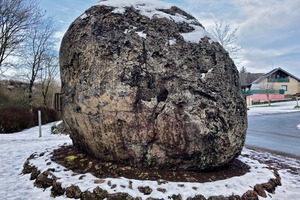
[(40, 123)]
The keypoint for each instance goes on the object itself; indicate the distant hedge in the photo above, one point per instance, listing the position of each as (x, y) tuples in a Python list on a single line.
[(14, 119)]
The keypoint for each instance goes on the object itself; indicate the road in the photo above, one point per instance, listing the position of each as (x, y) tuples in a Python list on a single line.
[(277, 132)]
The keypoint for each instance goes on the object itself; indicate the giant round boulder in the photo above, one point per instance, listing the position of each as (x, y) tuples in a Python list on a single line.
[(144, 84)]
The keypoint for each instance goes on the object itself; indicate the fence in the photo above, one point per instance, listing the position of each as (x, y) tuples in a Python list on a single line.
[(57, 101), (250, 92)]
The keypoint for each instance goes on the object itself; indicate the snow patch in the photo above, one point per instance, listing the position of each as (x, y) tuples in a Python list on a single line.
[(119, 10), (144, 5), (142, 34), (172, 42), (152, 9), (196, 35), (83, 16), (204, 74)]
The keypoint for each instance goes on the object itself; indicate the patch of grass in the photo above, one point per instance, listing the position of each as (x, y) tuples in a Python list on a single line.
[(71, 158)]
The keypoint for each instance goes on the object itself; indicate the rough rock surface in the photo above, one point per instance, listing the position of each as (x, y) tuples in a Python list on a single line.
[(143, 84)]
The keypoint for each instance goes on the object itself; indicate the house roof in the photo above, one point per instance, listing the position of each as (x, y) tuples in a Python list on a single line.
[(273, 72)]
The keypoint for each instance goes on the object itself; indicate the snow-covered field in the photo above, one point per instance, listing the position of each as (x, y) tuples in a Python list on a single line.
[(283, 107), (16, 148)]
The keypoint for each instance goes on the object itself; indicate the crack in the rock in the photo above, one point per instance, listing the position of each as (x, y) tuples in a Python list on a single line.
[(202, 94), (164, 93)]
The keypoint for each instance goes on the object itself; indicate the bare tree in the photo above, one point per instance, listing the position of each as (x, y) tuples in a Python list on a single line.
[(226, 35), (16, 18), (267, 88), (36, 51), (243, 75), (48, 74), (243, 70)]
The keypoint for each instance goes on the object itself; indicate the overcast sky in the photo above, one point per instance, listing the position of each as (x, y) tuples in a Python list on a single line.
[(269, 30)]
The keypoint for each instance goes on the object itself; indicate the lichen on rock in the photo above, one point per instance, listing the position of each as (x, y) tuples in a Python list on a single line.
[(144, 84)]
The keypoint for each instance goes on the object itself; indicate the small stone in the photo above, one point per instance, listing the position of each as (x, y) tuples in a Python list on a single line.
[(42, 180), (269, 186), (99, 181), (162, 190), (276, 173), (113, 186), (27, 168), (195, 188), (73, 191), (191, 179), (57, 189), (109, 183), (160, 182), (120, 196), (234, 197), (176, 197), (130, 185), (100, 193), (87, 195), (34, 173), (277, 181), (250, 195), (260, 190), (221, 197), (197, 197), (51, 170), (81, 177), (145, 190), (143, 175)]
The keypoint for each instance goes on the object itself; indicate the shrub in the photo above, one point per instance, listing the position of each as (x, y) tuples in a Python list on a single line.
[(48, 115), (14, 119)]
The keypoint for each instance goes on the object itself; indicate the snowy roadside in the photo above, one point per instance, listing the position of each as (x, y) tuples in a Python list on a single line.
[(275, 108)]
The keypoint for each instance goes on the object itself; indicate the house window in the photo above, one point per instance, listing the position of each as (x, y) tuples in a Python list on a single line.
[(284, 87)]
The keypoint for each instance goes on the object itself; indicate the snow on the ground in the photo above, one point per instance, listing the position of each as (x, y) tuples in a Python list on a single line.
[(16, 148), (282, 107), (289, 173)]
